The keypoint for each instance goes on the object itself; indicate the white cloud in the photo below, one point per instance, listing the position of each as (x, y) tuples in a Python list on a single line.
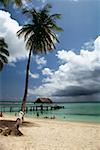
[(79, 74), (47, 71), (41, 61), (88, 45), (8, 29), (97, 44), (34, 76)]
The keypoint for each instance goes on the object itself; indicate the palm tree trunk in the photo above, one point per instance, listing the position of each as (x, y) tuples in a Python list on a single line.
[(19, 119), (23, 106)]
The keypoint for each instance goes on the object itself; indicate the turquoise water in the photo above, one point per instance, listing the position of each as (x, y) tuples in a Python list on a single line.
[(84, 112)]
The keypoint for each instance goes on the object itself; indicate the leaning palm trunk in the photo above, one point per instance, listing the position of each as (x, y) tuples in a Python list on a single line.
[(15, 129), (23, 106)]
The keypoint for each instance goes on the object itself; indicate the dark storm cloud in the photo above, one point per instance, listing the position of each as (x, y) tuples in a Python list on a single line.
[(77, 91)]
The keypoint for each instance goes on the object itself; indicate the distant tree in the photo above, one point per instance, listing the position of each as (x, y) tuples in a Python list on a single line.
[(3, 53), (40, 37)]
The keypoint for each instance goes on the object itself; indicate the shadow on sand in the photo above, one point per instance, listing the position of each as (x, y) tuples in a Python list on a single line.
[(11, 123), (7, 127)]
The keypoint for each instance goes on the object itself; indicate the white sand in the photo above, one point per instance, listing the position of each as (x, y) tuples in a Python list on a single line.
[(46, 134)]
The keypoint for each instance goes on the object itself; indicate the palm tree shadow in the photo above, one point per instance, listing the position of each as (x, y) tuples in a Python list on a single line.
[(11, 123)]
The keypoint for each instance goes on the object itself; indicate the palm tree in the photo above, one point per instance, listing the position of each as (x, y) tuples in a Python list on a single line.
[(3, 53), (17, 2), (40, 37)]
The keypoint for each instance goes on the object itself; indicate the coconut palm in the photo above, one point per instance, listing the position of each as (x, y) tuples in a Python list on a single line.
[(40, 37), (3, 53), (17, 2)]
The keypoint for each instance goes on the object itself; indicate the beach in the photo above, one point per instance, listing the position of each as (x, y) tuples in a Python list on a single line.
[(49, 134)]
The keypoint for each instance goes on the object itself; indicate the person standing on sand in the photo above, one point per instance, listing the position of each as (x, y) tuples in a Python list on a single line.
[(1, 114), (37, 114)]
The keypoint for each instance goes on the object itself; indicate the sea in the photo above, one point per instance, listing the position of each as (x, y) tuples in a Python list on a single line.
[(80, 112)]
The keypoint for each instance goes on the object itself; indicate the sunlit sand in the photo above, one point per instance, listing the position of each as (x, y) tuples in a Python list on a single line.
[(47, 134)]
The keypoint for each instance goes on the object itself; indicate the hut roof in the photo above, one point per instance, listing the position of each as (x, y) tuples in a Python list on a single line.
[(43, 100)]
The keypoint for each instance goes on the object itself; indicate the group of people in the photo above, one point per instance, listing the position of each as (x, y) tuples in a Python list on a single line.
[(52, 117)]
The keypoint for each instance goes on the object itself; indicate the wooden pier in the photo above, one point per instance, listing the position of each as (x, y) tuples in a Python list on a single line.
[(42, 108), (32, 108)]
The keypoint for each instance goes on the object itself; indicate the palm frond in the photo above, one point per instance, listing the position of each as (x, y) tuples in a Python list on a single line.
[(1, 65), (40, 35), (55, 16), (56, 28), (18, 2), (3, 58), (46, 9), (5, 2), (3, 43), (4, 51)]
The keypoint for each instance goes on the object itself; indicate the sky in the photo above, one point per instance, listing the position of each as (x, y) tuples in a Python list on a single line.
[(70, 73)]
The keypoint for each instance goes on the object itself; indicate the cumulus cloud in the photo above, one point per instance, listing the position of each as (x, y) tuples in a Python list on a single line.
[(41, 61), (47, 71), (88, 45), (78, 75), (34, 76), (8, 29)]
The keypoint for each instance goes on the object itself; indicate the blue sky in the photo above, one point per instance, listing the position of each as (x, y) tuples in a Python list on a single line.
[(69, 73)]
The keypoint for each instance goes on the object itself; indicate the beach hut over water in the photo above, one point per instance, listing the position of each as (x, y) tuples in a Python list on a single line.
[(43, 100)]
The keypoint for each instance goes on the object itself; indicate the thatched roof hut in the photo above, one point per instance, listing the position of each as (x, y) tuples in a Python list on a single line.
[(43, 100)]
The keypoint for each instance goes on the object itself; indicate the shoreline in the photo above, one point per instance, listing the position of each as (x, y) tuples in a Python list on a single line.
[(46, 120), (51, 134), (55, 119)]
